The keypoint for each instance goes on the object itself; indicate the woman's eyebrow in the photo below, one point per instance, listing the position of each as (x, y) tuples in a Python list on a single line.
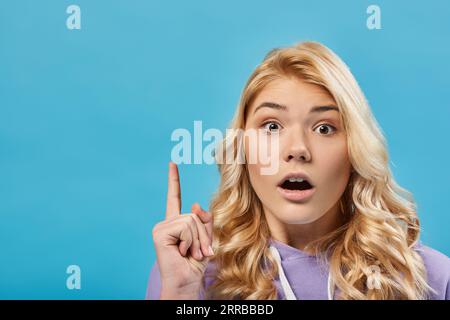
[(323, 109), (274, 105), (271, 105)]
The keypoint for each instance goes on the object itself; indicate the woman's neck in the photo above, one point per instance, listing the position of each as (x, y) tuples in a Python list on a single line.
[(300, 235)]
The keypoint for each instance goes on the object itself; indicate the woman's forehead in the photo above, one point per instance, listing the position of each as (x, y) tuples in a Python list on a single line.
[(293, 94)]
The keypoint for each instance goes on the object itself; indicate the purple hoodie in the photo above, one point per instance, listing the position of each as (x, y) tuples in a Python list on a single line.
[(308, 275)]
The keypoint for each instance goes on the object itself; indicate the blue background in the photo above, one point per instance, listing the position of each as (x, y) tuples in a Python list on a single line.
[(86, 118)]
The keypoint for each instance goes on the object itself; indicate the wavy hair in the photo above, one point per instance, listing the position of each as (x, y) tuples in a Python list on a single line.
[(381, 225)]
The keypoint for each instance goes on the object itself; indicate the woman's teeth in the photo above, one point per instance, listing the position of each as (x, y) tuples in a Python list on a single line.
[(295, 180)]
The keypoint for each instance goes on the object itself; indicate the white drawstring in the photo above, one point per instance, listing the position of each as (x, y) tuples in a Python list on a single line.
[(288, 292)]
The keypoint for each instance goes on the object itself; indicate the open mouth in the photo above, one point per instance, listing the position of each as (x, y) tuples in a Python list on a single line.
[(296, 187), (296, 184)]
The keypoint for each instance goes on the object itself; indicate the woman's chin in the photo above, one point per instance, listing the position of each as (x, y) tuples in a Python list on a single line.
[(297, 216)]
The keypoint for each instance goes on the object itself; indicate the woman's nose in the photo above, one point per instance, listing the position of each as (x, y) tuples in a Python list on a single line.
[(296, 148)]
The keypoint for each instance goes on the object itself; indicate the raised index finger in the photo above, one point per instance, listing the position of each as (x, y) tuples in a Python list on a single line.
[(173, 207)]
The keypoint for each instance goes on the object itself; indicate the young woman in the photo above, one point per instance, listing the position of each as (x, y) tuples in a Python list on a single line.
[(329, 223)]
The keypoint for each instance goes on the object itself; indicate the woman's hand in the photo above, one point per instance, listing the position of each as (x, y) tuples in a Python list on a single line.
[(183, 244)]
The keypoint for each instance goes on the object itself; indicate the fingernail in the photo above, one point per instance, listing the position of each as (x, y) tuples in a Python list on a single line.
[(200, 254), (210, 251)]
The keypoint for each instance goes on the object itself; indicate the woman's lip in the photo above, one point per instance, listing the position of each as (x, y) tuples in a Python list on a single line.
[(296, 195)]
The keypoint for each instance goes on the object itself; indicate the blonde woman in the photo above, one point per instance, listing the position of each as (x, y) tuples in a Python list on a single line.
[(329, 223)]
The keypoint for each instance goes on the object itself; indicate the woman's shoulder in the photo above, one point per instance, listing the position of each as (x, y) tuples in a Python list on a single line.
[(437, 265)]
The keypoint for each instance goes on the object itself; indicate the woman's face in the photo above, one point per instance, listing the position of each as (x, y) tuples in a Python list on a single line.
[(312, 146)]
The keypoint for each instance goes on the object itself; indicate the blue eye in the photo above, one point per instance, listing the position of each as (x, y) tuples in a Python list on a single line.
[(271, 126), (325, 129)]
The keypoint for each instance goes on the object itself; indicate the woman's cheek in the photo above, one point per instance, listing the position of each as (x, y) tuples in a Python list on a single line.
[(330, 159), (343, 162), (338, 164)]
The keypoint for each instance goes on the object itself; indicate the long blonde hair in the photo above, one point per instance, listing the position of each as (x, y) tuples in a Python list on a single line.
[(381, 225)]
